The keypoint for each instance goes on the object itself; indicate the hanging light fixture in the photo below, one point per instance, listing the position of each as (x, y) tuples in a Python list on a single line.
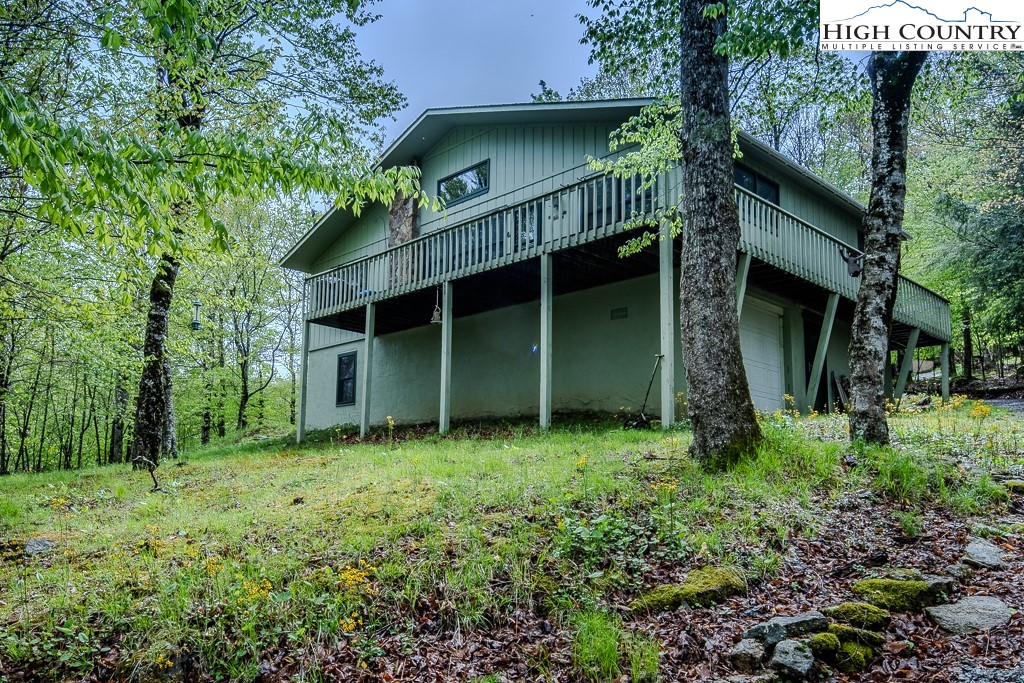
[(196, 305), (435, 319)]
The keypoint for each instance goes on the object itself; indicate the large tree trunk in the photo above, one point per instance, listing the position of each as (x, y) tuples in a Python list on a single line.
[(719, 405), (151, 403), (968, 362), (892, 80), (115, 452), (169, 443)]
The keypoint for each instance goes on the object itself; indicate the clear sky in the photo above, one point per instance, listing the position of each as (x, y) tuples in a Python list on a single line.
[(444, 53)]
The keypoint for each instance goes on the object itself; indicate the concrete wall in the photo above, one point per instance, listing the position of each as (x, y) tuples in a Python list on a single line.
[(599, 363)]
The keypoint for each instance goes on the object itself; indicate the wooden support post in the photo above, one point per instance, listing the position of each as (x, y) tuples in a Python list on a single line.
[(300, 428), (908, 363), (546, 320), (813, 382), (945, 372), (444, 422), (364, 395), (669, 323), (742, 270)]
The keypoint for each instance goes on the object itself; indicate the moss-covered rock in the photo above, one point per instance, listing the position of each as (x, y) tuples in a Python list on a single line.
[(825, 646), (701, 588), (899, 574), (854, 657), (894, 594), (711, 585), (847, 634), (659, 599), (859, 614)]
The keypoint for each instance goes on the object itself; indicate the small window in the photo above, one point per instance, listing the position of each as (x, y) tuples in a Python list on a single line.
[(756, 183), (465, 184), (346, 395)]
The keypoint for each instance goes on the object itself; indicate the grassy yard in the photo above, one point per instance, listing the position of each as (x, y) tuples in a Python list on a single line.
[(263, 561)]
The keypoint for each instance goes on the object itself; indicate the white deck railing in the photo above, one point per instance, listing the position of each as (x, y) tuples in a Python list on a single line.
[(585, 212)]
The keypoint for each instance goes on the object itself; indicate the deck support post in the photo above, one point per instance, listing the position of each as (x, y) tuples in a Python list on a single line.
[(300, 427), (945, 372), (444, 421), (669, 324), (364, 392), (742, 270), (546, 320), (908, 363), (814, 380)]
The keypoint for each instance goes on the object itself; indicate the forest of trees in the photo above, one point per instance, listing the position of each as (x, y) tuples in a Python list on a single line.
[(153, 157)]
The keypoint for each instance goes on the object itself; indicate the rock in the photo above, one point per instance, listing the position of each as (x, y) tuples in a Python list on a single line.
[(847, 634), (1015, 486), (825, 646), (770, 633), (711, 585), (854, 657), (940, 587), (38, 546), (780, 628), (793, 659), (766, 677), (894, 594), (747, 655), (959, 571), (899, 574), (701, 588), (859, 614), (974, 613), (984, 554), (978, 674)]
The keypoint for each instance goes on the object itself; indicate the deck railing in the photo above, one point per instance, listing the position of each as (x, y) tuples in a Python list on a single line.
[(584, 212)]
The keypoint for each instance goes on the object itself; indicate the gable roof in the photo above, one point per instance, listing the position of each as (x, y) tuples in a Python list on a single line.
[(433, 124)]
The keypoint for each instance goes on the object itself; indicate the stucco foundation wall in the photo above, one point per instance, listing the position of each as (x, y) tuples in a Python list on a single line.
[(599, 363)]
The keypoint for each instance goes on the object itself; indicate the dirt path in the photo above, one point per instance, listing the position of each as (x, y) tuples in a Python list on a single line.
[(1014, 404)]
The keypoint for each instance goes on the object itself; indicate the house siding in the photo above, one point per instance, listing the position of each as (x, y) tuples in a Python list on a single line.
[(599, 364)]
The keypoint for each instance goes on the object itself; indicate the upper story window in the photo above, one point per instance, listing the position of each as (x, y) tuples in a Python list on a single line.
[(467, 183), (755, 182)]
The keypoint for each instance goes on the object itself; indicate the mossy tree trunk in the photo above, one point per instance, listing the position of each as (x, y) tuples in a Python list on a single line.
[(892, 77), (718, 397)]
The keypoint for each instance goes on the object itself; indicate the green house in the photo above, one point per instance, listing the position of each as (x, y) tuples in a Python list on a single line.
[(514, 300)]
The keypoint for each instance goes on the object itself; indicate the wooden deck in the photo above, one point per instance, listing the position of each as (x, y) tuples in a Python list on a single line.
[(591, 211)]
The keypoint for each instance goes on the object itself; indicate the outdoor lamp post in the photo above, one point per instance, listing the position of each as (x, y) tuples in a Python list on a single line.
[(196, 305)]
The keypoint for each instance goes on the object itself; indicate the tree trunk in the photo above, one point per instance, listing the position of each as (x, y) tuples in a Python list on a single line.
[(169, 442), (151, 403), (892, 77), (243, 394), (115, 453), (968, 346), (718, 397)]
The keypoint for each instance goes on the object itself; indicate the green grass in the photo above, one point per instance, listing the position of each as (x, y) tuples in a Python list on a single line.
[(260, 547)]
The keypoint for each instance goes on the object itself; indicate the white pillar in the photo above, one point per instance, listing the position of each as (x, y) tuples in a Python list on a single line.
[(945, 372), (822, 351), (742, 270), (364, 395), (300, 428), (669, 325), (545, 340), (908, 362), (444, 422)]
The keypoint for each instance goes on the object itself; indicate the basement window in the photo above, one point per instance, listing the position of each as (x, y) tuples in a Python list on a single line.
[(346, 393), (465, 184), (753, 181)]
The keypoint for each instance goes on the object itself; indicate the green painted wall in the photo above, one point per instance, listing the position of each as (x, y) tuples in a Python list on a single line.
[(599, 364)]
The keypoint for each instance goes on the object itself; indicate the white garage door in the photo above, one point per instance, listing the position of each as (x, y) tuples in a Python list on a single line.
[(761, 341)]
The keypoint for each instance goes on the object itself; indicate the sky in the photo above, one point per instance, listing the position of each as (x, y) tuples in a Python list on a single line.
[(443, 53)]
